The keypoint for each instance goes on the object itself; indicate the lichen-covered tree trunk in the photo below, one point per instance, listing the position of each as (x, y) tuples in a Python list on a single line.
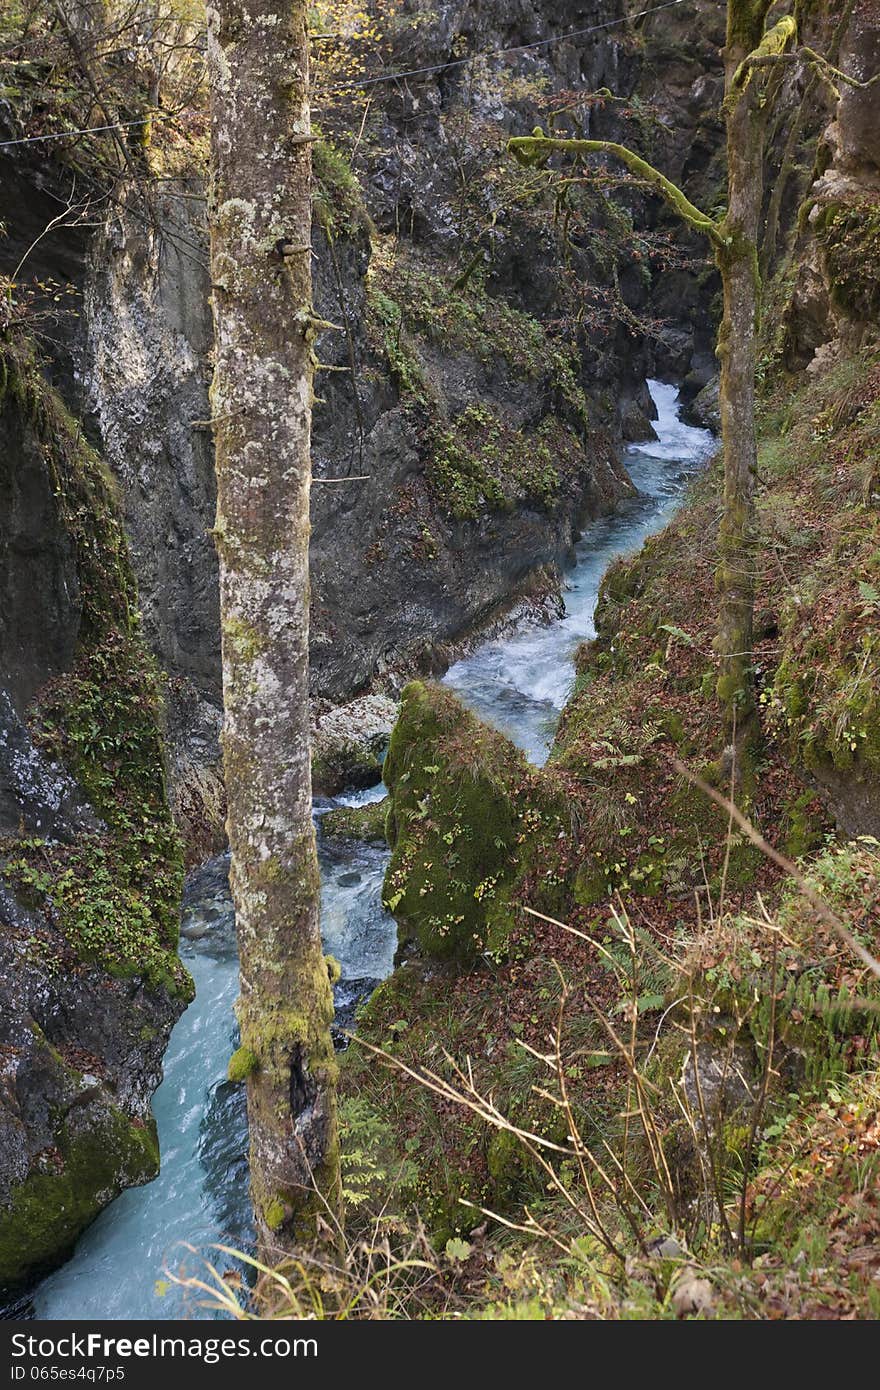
[(261, 406), (737, 349)]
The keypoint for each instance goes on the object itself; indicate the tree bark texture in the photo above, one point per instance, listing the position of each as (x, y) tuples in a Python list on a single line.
[(737, 350), (261, 408)]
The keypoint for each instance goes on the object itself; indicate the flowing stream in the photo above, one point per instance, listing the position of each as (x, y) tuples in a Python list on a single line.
[(519, 684)]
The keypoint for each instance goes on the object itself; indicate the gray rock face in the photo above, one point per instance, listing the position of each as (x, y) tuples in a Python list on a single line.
[(146, 373), (399, 583), (855, 134), (705, 408), (36, 795), (40, 613), (722, 1083)]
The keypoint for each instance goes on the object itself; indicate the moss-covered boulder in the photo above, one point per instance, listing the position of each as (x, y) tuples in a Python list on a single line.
[(365, 823), (467, 817)]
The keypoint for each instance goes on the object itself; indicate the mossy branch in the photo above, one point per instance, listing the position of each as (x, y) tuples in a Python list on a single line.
[(530, 149), (829, 71), (771, 48)]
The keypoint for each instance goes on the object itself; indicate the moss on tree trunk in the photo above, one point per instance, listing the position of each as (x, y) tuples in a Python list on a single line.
[(745, 115), (261, 406)]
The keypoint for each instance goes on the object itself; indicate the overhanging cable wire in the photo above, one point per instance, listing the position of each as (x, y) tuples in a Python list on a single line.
[(355, 86), (89, 130), (498, 52)]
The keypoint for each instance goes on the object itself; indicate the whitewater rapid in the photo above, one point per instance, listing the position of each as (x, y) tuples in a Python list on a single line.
[(519, 684)]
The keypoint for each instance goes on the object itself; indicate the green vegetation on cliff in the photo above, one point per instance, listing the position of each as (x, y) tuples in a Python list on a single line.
[(478, 459), (114, 894)]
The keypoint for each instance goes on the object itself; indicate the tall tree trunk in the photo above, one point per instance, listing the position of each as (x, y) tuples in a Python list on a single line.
[(737, 350), (261, 406)]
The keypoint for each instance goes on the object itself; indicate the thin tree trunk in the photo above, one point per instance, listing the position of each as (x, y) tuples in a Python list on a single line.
[(261, 406), (737, 349)]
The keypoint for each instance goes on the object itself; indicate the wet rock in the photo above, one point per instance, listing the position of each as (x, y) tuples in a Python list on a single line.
[(705, 408), (366, 823), (350, 880), (349, 743), (194, 930), (207, 911), (36, 794), (209, 882), (635, 424)]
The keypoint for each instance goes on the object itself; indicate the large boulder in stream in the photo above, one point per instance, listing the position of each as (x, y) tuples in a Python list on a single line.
[(90, 865), (468, 818), (349, 743)]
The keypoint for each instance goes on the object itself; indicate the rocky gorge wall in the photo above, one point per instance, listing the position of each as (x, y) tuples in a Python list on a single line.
[(487, 419), (481, 375), (480, 423), (90, 865)]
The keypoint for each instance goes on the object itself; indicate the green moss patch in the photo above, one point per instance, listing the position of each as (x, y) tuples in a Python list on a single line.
[(365, 823), (115, 896), (480, 463), (81, 1174)]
